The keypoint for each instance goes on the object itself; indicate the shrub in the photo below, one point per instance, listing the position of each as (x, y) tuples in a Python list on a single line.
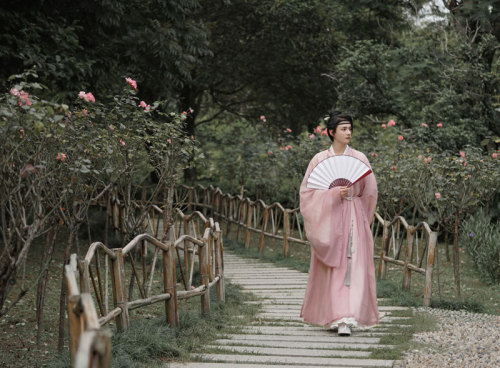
[(481, 238)]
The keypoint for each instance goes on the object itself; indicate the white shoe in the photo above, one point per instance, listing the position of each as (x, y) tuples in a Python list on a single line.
[(344, 330)]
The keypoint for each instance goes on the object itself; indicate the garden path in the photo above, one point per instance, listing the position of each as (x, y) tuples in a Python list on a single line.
[(278, 337)]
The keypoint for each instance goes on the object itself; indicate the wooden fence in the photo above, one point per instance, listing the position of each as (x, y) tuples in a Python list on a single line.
[(413, 248), (128, 277)]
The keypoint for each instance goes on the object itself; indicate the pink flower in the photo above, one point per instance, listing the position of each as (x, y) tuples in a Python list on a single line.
[(401, 137), (312, 136), (394, 168), (111, 127), (424, 125), (318, 129), (419, 157), (288, 147), (439, 125), (84, 111), (132, 82), (14, 92), (192, 137), (263, 118), (184, 113), (23, 133), (391, 123), (462, 154), (270, 153), (61, 156), (374, 154), (428, 159), (324, 132), (191, 110), (142, 104), (437, 195), (169, 140), (22, 96), (89, 97), (494, 155), (469, 176), (122, 142), (288, 130), (384, 126)]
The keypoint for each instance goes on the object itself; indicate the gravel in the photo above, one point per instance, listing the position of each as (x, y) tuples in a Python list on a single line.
[(463, 339)]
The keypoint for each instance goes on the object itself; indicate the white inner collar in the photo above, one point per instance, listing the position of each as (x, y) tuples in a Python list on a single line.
[(333, 152)]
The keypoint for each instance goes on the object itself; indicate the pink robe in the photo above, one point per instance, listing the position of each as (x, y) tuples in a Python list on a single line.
[(327, 221)]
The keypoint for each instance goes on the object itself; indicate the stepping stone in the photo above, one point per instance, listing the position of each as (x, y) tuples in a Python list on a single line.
[(295, 361), (294, 352)]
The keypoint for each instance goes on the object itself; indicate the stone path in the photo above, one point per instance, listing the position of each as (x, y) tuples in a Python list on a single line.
[(278, 337)]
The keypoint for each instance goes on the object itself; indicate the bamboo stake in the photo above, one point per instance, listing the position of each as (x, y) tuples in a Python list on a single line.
[(204, 273), (286, 234), (264, 228), (431, 253), (408, 257), (169, 286), (119, 293), (248, 225)]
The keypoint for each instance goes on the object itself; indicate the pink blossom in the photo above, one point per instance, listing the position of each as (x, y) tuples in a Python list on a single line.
[(23, 133), (439, 125), (191, 110), (192, 137), (384, 126), (23, 96), (419, 157), (324, 132), (169, 140), (437, 195), (122, 142), (132, 82), (312, 136), (111, 127), (288, 147), (391, 123), (494, 155), (394, 168), (428, 159), (318, 129), (401, 137), (89, 97), (61, 156), (142, 104), (424, 125), (288, 130), (84, 111), (374, 154), (184, 113), (263, 118), (462, 154), (270, 153), (469, 176)]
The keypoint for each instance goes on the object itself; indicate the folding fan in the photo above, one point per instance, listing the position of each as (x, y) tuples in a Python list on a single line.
[(337, 171)]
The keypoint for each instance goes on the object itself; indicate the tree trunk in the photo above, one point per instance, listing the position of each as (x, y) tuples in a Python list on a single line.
[(42, 282), (456, 258), (62, 298)]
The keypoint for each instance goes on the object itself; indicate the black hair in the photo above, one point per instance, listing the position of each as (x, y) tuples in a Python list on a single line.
[(336, 117)]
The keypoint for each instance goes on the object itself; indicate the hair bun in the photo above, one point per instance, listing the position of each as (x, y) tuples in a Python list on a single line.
[(335, 113)]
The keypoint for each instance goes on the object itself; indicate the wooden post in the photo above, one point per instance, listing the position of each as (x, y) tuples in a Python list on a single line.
[(229, 216), (211, 257), (382, 269), (241, 210), (170, 286), (410, 236), (83, 268), (264, 228), (248, 224), (431, 254), (119, 291), (286, 233), (221, 293), (204, 272), (74, 315)]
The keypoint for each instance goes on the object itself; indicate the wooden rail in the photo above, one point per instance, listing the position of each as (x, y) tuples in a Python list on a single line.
[(418, 243), (128, 276)]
